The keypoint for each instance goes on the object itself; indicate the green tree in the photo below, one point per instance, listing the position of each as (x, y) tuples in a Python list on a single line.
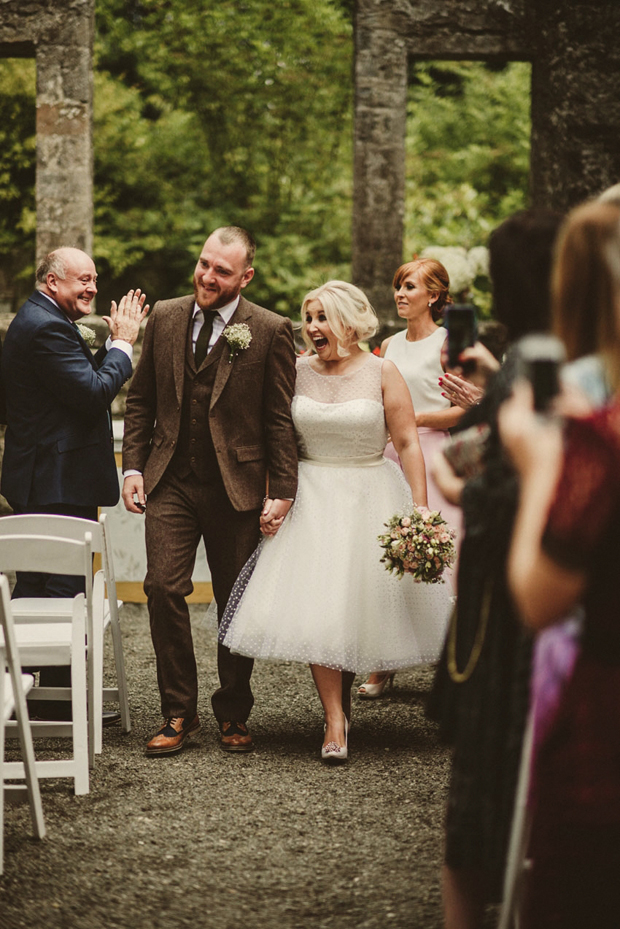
[(235, 113), (468, 147), (241, 112), (17, 171)]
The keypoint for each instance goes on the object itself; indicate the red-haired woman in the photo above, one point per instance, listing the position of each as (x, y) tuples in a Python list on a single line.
[(421, 291)]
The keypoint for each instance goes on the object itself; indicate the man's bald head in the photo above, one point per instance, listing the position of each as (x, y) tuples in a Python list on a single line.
[(69, 276)]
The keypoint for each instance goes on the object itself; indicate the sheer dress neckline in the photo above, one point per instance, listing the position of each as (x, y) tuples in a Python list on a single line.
[(359, 368)]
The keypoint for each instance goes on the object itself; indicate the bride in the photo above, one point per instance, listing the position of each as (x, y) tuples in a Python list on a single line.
[(318, 592)]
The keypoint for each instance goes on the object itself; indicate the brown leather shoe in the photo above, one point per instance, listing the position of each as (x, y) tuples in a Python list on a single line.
[(170, 737), (235, 737)]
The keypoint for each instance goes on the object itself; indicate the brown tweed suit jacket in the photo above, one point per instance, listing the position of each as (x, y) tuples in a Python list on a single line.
[(250, 409)]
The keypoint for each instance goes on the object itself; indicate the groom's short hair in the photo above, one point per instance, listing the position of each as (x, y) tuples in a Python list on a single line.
[(229, 235)]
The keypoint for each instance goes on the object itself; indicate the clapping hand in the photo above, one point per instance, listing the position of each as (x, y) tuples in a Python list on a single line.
[(125, 320)]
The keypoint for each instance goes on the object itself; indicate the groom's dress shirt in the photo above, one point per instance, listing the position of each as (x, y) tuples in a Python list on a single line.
[(221, 319)]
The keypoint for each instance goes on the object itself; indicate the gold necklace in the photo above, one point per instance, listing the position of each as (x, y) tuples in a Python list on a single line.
[(459, 677)]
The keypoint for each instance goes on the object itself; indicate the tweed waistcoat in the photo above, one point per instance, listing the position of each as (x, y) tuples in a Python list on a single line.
[(195, 453)]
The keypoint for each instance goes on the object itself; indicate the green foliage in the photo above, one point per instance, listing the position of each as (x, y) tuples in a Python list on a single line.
[(240, 112), (227, 113), (468, 151), (17, 170)]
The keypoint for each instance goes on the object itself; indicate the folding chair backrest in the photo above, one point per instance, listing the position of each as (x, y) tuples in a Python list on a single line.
[(62, 527), (46, 553)]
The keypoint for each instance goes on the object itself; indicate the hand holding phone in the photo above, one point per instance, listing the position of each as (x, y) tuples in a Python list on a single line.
[(540, 358), (460, 321)]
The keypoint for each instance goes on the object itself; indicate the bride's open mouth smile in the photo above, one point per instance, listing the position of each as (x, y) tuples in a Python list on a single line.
[(320, 343)]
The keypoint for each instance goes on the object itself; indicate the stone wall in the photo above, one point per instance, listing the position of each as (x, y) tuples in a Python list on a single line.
[(575, 104), (60, 37)]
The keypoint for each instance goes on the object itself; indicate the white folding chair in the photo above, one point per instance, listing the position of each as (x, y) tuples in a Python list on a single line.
[(60, 641), (71, 527), (517, 864), (13, 689)]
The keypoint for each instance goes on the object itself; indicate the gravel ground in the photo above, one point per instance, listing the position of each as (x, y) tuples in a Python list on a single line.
[(271, 839)]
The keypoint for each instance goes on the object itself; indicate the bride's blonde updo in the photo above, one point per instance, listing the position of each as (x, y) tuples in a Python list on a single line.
[(347, 310)]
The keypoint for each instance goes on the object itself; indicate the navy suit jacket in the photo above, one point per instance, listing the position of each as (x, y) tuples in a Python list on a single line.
[(58, 443)]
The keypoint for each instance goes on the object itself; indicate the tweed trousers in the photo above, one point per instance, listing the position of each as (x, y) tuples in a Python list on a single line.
[(179, 512)]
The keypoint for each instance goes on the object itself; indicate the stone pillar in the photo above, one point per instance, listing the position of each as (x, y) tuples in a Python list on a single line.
[(64, 185), (60, 37), (379, 157), (575, 101)]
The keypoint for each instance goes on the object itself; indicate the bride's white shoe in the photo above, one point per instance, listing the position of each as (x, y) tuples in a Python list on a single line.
[(332, 751), (375, 690)]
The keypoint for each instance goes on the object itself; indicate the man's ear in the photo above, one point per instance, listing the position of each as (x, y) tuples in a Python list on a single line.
[(51, 282), (248, 274)]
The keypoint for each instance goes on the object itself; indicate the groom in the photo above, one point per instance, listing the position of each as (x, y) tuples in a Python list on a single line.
[(209, 451)]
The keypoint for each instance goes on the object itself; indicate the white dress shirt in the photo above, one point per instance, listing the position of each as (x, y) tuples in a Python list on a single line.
[(221, 319)]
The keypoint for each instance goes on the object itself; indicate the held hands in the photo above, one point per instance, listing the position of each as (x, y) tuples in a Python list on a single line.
[(124, 321), (133, 485), (272, 515)]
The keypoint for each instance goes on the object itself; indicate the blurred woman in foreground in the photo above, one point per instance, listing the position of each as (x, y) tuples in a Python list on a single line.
[(566, 550), (481, 691)]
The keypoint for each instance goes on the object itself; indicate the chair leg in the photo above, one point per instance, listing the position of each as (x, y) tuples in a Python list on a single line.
[(32, 781), (2, 786), (80, 724), (121, 677)]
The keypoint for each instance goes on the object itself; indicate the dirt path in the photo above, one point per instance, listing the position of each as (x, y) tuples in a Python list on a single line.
[(272, 840)]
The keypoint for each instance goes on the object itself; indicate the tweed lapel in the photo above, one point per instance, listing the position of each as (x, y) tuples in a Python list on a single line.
[(180, 319), (242, 314)]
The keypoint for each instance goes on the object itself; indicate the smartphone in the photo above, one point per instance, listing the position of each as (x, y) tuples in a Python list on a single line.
[(540, 359), (460, 321)]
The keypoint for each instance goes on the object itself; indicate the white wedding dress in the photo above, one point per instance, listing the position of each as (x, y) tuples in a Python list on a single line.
[(318, 592)]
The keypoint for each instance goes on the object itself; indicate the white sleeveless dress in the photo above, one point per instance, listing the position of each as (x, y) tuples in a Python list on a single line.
[(318, 592), (420, 365)]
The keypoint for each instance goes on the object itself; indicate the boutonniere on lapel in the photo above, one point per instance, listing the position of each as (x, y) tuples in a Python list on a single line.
[(87, 334), (238, 338)]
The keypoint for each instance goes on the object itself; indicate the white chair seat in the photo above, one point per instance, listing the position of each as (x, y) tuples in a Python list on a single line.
[(36, 641)]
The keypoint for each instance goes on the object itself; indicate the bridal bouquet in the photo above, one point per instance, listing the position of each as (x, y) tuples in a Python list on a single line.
[(420, 544)]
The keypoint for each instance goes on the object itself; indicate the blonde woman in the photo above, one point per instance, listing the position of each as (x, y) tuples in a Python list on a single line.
[(318, 593)]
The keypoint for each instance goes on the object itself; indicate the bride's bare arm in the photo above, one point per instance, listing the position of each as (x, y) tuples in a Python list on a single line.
[(400, 420)]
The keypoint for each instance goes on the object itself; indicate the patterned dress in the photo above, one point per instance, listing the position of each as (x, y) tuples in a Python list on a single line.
[(318, 592)]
